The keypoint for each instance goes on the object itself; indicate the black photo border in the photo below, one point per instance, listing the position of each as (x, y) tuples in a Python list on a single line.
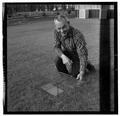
[(104, 80)]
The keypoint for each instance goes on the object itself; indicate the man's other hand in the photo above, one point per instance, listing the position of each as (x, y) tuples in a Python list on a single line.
[(80, 75)]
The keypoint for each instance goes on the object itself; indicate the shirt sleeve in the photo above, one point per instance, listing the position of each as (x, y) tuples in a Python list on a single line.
[(57, 44), (81, 49)]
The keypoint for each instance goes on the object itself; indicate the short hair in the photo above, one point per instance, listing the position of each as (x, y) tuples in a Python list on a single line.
[(61, 18)]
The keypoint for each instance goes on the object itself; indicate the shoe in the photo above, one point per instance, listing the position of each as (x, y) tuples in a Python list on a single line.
[(90, 67)]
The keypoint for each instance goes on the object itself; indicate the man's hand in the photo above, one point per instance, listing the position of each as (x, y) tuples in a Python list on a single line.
[(66, 60), (80, 76)]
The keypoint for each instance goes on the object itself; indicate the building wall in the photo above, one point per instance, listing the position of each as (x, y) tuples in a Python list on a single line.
[(85, 7), (95, 11)]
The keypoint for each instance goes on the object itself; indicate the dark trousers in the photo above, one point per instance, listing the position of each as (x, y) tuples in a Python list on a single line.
[(75, 68)]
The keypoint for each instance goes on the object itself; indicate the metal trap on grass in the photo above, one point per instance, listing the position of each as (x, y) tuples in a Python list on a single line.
[(52, 89)]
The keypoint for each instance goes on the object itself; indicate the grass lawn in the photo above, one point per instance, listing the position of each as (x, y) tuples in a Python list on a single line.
[(30, 65)]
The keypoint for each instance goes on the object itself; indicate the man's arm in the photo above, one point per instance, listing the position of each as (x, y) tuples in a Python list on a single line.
[(57, 46), (81, 50), (58, 50)]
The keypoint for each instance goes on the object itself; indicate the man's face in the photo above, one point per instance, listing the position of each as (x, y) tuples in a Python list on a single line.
[(62, 27)]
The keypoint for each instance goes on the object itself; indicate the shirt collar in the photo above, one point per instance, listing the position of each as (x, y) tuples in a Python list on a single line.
[(69, 34)]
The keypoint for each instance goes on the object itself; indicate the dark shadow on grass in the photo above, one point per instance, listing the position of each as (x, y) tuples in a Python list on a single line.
[(105, 66), (106, 90), (105, 69)]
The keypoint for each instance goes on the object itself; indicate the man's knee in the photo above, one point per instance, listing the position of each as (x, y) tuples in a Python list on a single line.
[(57, 61), (59, 65)]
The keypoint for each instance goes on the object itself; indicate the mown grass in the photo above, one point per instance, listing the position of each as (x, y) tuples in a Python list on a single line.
[(30, 64)]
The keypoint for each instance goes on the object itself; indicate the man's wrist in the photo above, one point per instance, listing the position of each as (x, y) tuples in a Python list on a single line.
[(81, 73), (64, 59), (63, 56)]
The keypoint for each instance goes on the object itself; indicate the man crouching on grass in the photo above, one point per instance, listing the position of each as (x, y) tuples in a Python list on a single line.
[(70, 46)]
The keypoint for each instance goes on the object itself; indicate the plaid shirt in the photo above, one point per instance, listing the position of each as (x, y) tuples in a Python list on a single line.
[(74, 42)]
